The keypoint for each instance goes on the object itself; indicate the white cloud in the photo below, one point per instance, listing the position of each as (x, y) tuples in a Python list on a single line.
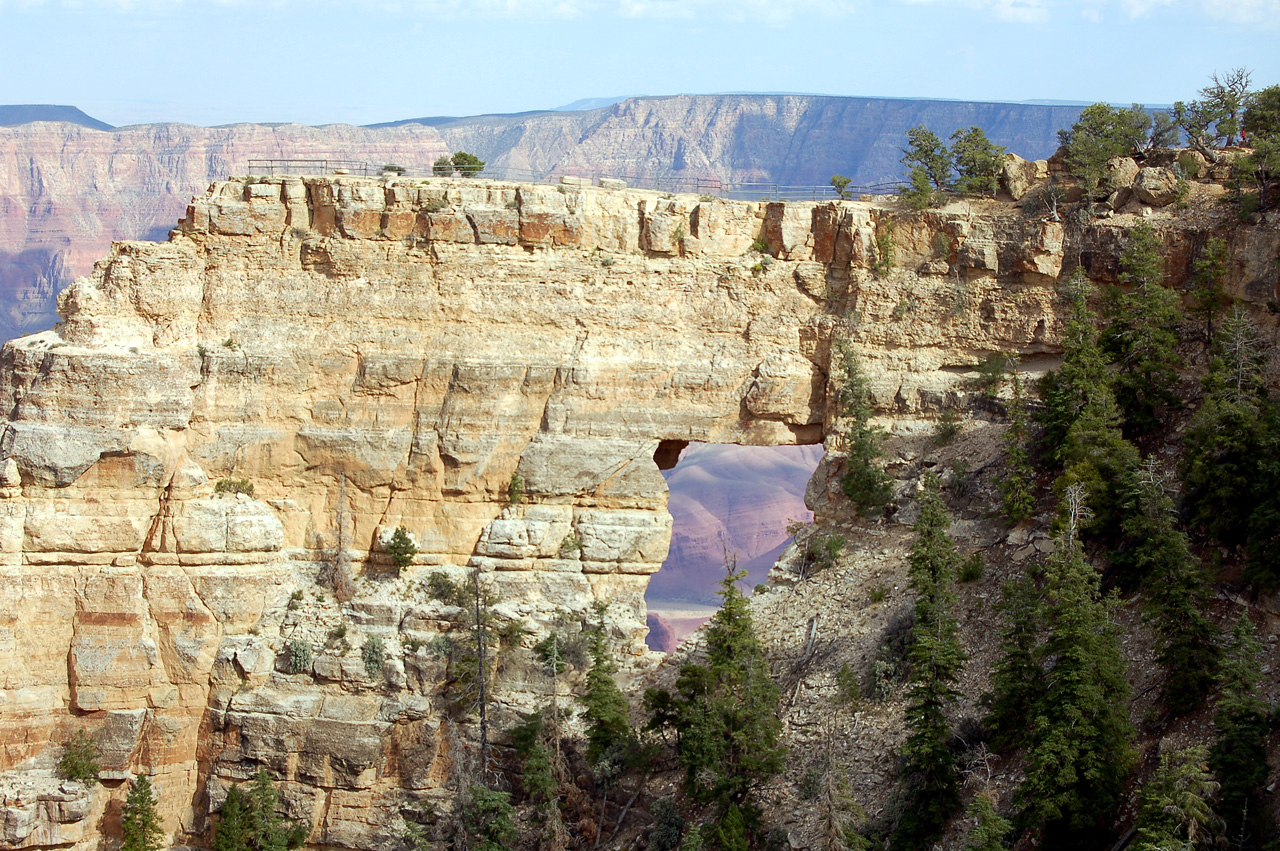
[(1014, 11), (1245, 12)]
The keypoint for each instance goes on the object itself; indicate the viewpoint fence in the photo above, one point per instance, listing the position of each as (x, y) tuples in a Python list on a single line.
[(729, 190)]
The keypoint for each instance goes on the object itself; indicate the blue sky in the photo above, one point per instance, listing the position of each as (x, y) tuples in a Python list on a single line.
[(326, 61)]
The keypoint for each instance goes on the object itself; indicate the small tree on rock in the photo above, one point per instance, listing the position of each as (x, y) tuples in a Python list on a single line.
[(1101, 133), (401, 549), (80, 759), (928, 167), (467, 165), (977, 161), (841, 184)]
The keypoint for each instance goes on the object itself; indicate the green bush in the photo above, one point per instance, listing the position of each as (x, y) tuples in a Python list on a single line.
[(243, 486), (374, 653), (515, 489), (297, 656), (467, 165), (971, 568), (79, 759), (443, 166), (841, 184), (440, 587)]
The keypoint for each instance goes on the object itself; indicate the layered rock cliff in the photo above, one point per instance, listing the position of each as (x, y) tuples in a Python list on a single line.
[(68, 190), (375, 354)]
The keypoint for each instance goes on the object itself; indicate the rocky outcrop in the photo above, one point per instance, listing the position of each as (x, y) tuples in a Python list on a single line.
[(224, 422)]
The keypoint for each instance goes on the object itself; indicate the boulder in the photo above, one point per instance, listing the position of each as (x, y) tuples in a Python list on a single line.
[(1121, 172), (1017, 176), (1156, 186)]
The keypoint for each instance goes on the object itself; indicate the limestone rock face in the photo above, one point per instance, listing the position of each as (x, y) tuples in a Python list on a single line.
[(1156, 186), (201, 465)]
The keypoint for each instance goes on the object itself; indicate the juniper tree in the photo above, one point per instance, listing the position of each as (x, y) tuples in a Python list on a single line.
[(1079, 737), (401, 549), (139, 822), (79, 759), (1175, 811), (1101, 133), (1239, 753), (1083, 374), (726, 712), (929, 766), (865, 484), (1141, 339), (1016, 675), (926, 152), (1175, 593), (977, 162)]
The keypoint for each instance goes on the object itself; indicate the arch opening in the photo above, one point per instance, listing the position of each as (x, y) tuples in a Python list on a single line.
[(724, 498)]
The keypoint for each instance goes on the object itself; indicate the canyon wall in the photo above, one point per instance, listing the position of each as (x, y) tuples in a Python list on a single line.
[(67, 190), (375, 354)]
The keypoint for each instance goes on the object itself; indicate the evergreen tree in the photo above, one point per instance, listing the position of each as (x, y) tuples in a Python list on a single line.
[(726, 713), (139, 822), (1097, 457), (977, 161), (1018, 487), (1102, 133), (989, 828), (605, 707), (1016, 676), (401, 549), (865, 484), (232, 831), (932, 779), (1084, 373), (1141, 338), (488, 820), (1176, 592), (1080, 737), (1239, 754), (267, 829), (927, 156), (79, 760), (1208, 297), (1175, 812), (1263, 542), (1227, 436)]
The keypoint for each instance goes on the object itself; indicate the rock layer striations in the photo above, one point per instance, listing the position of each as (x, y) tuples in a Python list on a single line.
[(222, 421)]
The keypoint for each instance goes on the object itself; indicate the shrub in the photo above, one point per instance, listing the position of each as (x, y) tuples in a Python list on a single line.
[(393, 168), (374, 653), (440, 587), (243, 486), (80, 759), (297, 656), (570, 545), (947, 428), (847, 691), (760, 245), (515, 489), (884, 250), (971, 568), (295, 600), (443, 166)]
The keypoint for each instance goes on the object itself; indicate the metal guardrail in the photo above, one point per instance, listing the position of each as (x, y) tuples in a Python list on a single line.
[(729, 190)]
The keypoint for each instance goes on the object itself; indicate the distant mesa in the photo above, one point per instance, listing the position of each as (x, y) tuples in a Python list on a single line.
[(25, 113)]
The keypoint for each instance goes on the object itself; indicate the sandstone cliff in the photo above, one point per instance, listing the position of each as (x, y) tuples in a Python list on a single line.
[(67, 190), (370, 354)]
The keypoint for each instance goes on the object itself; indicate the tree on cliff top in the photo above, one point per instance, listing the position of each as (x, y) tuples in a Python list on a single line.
[(1101, 133), (977, 161)]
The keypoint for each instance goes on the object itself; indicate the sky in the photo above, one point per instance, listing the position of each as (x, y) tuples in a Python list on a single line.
[(329, 61)]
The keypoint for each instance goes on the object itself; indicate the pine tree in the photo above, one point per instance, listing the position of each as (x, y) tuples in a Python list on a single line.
[(232, 831), (1016, 676), (488, 820), (605, 707), (1084, 373), (1227, 436), (80, 759), (1176, 592), (1208, 297), (1018, 487), (865, 484), (1263, 542), (139, 822), (401, 549), (726, 714), (1097, 457), (932, 779), (1239, 754), (1175, 812), (929, 166), (989, 828), (1141, 338), (1080, 737), (267, 829)]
